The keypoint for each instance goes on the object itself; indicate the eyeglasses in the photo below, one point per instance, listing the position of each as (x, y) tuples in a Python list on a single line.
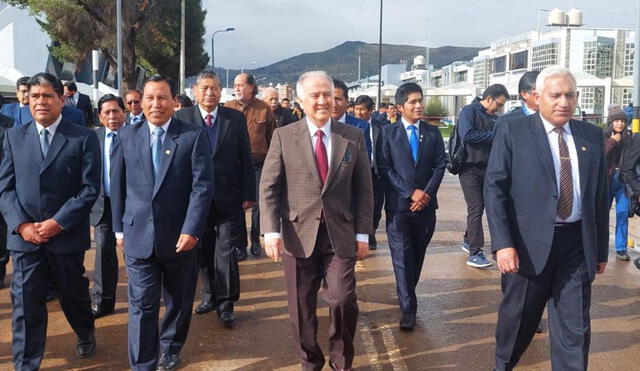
[(133, 102)]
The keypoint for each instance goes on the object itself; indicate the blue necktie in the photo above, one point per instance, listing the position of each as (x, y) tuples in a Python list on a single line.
[(156, 151), (413, 142), (112, 147), (44, 142)]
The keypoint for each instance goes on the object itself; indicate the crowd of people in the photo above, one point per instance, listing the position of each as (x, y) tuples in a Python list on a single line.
[(168, 181)]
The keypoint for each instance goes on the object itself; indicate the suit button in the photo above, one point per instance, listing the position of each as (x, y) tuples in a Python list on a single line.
[(555, 197)]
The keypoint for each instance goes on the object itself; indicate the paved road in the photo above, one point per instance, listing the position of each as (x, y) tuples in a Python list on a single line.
[(456, 320)]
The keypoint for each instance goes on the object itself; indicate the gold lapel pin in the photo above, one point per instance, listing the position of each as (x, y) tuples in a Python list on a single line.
[(168, 152), (584, 149)]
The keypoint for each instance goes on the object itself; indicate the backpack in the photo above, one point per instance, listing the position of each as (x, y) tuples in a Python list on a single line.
[(457, 152)]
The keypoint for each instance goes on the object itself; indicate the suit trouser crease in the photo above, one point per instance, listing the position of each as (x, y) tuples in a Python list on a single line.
[(33, 272), (105, 279), (472, 183), (303, 277), (409, 235), (565, 285)]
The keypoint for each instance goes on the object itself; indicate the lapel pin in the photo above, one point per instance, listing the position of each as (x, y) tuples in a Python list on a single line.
[(168, 152), (584, 149)]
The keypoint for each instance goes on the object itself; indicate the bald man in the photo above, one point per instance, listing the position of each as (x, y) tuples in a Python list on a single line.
[(281, 115)]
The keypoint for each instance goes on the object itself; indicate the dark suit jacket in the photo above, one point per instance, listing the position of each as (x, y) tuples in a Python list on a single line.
[(153, 215), (6, 121), (376, 128), (69, 114), (97, 210), (362, 125), (292, 196), (521, 194), (234, 180), (399, 171), (84, 105), (283, 117), (62, 186), (10, 109)]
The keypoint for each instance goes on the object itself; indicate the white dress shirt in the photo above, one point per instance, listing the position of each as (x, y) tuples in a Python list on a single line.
[(406, 128), (153, 127), (373, 145), (326, 139), (204, 113), (342, 119), (51, 128), (552, 136), (138, 118)]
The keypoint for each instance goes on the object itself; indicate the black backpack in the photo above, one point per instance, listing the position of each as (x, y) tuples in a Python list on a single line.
[(457, 152)]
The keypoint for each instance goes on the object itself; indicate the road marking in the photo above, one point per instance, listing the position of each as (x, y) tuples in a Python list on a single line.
[(393, 352)]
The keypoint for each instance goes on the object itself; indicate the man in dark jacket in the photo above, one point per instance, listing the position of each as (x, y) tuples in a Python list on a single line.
[(282, 116), (475, 127)]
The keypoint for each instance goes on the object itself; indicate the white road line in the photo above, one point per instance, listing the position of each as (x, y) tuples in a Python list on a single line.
[(393, 352)]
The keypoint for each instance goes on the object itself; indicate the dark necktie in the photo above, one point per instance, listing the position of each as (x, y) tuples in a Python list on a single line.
[(114, 143), (321, 157), (156, 151), (565, 203), (44, 142), (212, 130), (413, 142)]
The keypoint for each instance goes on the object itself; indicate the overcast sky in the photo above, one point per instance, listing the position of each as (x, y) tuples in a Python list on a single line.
[(268, 31)]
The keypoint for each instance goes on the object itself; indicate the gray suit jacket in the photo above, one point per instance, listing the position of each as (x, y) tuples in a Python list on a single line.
[(98, 207), (521, 192), (292, 199)]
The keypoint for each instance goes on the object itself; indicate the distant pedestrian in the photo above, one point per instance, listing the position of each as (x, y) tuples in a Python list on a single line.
[(182, 101), (133, 102), (281, 115)]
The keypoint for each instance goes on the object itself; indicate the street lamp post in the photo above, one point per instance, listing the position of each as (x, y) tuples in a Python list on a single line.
[(213, 63)]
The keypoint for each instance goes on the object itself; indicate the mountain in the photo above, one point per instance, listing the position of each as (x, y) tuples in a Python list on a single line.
[(342, 61)]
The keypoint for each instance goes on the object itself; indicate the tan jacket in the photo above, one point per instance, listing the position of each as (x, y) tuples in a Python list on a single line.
[(260, 125), (292, 199)]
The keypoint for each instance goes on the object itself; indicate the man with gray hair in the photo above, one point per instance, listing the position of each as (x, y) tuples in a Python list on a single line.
[(233, 192), (317, 206), (281, 115), (550, 239)]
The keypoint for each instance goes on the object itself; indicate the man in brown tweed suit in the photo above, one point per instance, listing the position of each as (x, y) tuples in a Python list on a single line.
[(317, 203)]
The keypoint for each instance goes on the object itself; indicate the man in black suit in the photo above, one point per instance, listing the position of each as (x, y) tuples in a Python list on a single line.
[(133, 102), (79, 101), (5, 123), (364, 111), (105, 280), (552, 238), (49, 178), (161, 187), (233, 192), (411, 159)]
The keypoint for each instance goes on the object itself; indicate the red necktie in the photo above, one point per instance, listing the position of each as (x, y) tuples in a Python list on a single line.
[(321, 157), (207, 120)]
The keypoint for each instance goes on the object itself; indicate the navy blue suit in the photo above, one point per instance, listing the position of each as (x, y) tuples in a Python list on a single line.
[(152, 215), (63, 186), (409, 232), (69, 113), (364, 126), (11, 109)]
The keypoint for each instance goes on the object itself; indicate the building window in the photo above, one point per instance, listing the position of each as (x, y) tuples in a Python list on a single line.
[(518, 60), (461, 76), (499, 64), (629, 52), (544, 56), (481, 70), (592, 99), (622, 96), (598, 59)]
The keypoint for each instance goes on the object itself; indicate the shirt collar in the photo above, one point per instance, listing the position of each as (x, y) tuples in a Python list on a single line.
[(52, 128), (343, 119), (548, 127), (108, 131), (204, 113), (407, 124), (326, 128), (165, 126)]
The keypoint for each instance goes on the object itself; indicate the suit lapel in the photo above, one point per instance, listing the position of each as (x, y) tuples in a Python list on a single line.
[(541, 143), (338, 148), (57, 142), (583, 148), (32, 144), (400, 135), (168, 151), (422, 140), (305, 145), (143, 142), (223, 127)]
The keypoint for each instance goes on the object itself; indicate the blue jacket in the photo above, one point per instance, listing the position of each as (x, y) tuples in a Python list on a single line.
[(69, 113), (11, 110), (152, 215), (63, 186), (350, 120), (475, 127), (629, 112)]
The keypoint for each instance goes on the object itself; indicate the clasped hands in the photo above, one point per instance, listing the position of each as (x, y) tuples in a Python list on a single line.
[(419, 200), (39, 232)]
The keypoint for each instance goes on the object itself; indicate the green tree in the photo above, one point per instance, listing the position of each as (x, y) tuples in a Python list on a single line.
[(435, 108), (150, 33)]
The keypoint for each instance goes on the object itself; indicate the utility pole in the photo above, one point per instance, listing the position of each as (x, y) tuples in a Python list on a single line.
[(380, 62), (359, 61), (636, 76), (182, 49), (119, 45)]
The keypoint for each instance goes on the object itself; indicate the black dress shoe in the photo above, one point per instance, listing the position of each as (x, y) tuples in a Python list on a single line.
[(227, 317), (168, 361), (51, 294), (242, 253), (205, 306), (408, 321), (636, 262), (101, 310), (338, 368), (539, 330), (86, 348), (256, 249)]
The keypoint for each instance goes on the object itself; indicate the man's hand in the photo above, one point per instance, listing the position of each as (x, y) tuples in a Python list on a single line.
[(419, 196), (48, 228), (362, 250), (600, 267), (247, 205), (417, 205), (186, 242), (120, 243), (273, 248), (508, 261), (29, 233)]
